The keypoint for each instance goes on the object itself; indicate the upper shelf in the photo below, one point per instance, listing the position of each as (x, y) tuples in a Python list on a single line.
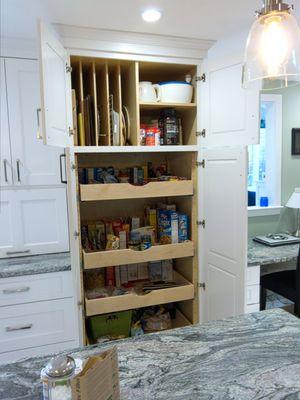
[(158, 106), (134, 149)]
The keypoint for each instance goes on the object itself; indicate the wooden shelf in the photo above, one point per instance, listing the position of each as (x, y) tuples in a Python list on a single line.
[(158, 106), (101, 259), (132, 301), (117, 191), (180, 320)]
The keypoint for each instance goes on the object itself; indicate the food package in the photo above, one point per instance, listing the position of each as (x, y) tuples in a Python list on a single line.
[(123, 274), (95, 279), (167, 270), (132, 273), (183, 227), (92, 233), (113, 242), (143, 273), (100, 235), (167, 222), (151, 218), (135, 223), (110, 276), (157, 323), (123, 239), (155, 273)]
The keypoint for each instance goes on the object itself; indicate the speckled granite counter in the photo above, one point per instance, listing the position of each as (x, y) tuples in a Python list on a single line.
[(259, 254), (254, 356), (32, 265)]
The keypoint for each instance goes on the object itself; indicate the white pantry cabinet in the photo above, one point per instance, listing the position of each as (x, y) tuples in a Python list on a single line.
[(217, 128), (33, 211)]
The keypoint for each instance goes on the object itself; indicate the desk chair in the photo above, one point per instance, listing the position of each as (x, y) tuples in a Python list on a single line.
[(285, 283)]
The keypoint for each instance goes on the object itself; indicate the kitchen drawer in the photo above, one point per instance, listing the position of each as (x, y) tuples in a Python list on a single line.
[(252, 308), (30, 288), (12, 356), (252, 294), (253, 275), (36, 324)]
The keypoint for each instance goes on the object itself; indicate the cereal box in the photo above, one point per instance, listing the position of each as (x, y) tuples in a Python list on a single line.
[(167, 226), (183, 227)]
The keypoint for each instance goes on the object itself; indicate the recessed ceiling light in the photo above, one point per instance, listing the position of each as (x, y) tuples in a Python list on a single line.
[(151, 15)]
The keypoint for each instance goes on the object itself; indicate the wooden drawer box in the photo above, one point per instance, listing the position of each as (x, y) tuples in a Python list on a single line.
[(116, 191), (131, 301), (31, 288), (36, 324), (99, 259)]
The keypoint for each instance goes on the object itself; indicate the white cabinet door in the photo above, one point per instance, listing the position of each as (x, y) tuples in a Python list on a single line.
[(6, 177), (230, 114), (33, 163), (55, 90), (33, 221), (44, 220), (223, 241), (10, 232)]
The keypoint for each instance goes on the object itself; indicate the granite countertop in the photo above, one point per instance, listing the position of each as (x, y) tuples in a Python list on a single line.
[(32, 265), (254, 356), (259, 254)]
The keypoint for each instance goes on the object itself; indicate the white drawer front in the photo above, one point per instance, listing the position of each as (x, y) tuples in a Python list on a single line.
[(253, 275), (252, 294), (26, 289), (12, 356), (252, 308), (36, 324)]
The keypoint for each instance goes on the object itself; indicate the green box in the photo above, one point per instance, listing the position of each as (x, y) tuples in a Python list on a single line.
[(114, 324)]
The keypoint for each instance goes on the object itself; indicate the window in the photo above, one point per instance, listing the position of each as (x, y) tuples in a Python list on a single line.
[(264, 165)]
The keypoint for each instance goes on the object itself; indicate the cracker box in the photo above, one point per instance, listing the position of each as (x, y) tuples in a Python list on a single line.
[(183, 227), (167, 270), (167, 221), (154, 271)]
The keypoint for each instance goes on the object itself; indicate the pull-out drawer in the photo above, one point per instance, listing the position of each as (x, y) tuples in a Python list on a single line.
[(253, 275), (31, 288), (36, 324), (252, 294)]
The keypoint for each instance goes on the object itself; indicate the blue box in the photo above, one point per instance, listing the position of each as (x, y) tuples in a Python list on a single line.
[(183, 227), (167, 224)]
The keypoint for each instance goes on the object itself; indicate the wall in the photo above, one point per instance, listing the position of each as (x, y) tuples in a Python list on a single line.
[(290, 167)]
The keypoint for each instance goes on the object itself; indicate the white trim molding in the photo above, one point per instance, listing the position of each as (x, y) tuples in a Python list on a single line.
[(263, 211), (82, 41)]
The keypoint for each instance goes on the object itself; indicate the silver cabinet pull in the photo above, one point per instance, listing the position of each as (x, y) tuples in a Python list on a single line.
[(5, 169), (18, 327), (11, 253), (18, 170), (38, 110), (16, 290)]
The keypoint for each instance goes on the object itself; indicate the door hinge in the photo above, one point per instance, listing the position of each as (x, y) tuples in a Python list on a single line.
[(201, 223), (201, 163), (73, 166), (202, 285), (71, 132), (76, 234), (201, 78), (68, 68), (201, 133)]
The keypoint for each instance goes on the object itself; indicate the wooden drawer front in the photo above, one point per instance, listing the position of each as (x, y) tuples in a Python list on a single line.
[(252, 294), (36, 324), (26, 289), (100, 259), (131, 301), (253, 275), (251, 308)]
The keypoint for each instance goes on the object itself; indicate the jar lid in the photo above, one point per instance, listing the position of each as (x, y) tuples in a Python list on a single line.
[(60, 367)]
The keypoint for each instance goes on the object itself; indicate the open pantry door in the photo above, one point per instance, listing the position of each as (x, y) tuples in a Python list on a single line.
[(229, 114), (56, 99), (223, 238)]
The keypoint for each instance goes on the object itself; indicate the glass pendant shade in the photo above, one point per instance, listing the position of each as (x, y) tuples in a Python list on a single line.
[(272, 55)]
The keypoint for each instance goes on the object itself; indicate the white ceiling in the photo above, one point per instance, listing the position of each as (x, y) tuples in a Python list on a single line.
[(204, 19)]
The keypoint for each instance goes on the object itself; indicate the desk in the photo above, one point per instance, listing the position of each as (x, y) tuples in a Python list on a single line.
[(260, 255)]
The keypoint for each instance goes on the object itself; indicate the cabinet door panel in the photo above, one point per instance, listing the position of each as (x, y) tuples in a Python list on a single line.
[(38, 164), (55, 90), (224, 239), (10, 234), (6, 177), (230, 114), (44, 220)]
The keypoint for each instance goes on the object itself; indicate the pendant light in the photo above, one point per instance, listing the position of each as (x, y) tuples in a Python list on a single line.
[(272, 56)]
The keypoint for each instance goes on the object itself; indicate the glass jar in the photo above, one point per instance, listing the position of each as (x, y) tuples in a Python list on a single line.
[(56, 378)]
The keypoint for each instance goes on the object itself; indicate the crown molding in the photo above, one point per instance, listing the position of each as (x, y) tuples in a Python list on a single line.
[(80, 39)]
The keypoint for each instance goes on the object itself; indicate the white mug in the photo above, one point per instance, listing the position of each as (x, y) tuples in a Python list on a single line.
[(147, 92)]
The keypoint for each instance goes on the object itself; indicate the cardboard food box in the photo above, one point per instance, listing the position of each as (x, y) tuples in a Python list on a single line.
[(167, 226), (99, 379)]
